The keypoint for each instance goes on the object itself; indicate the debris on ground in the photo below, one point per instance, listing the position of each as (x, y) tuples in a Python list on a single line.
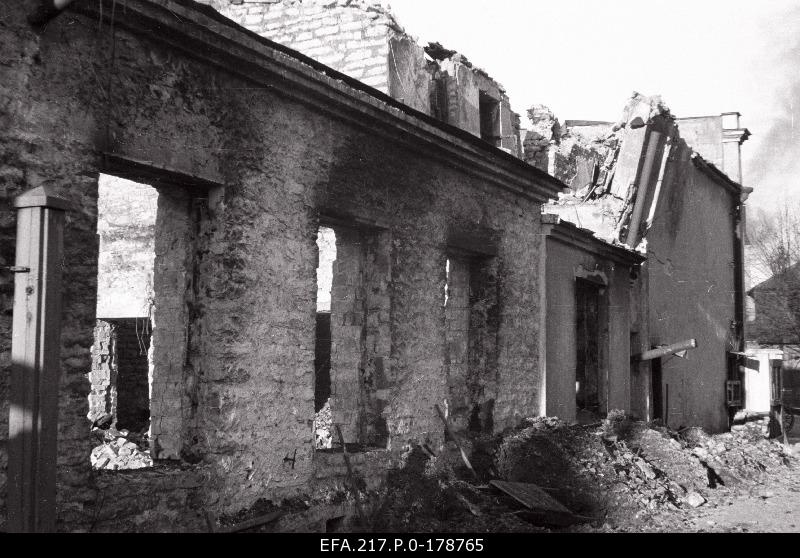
[(619, 474), (118, 451)]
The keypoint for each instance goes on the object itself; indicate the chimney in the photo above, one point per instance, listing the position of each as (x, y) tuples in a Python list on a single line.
[(733, 136)]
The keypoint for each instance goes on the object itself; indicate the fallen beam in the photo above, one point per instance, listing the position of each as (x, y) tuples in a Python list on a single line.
[(661, 352)]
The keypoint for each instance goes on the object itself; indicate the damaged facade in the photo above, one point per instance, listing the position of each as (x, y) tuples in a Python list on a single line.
[(364, 41), (270, 249), (641, 183), (201, 115)]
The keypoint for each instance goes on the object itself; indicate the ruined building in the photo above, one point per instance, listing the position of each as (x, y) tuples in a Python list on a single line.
[(269, 244), (251, 154), (670, 189), (364, 41)]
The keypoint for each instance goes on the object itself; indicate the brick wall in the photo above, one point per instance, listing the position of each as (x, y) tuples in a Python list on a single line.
[(348, 36), (365, 42)]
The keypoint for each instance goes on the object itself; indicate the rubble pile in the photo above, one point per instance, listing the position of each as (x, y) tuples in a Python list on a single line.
[(623, 468), (744, 454), (615, 474), (592, 470), (426, 495), (119, 452)]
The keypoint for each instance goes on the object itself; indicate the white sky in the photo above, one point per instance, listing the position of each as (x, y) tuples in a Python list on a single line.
[(583, 59)]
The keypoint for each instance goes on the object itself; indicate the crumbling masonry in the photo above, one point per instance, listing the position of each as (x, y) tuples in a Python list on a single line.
[(340, 229), (251, 148)]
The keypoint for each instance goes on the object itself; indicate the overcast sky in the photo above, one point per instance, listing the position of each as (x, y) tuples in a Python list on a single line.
[(584, 58)]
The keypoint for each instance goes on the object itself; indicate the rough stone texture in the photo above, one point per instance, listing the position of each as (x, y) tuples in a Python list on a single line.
[(234, 271), (39, 145), (170, 405), (457, 316), (347, 324), (160, 500)]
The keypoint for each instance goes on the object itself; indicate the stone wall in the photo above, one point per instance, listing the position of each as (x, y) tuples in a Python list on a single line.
[(236, 254), (457, 336), (347, 323), (171, 409)]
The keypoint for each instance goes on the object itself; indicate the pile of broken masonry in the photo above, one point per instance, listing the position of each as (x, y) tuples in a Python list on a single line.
[(119, 451), (616, 475)]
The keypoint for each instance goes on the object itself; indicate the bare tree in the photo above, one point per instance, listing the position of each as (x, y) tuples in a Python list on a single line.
[(774, 247)]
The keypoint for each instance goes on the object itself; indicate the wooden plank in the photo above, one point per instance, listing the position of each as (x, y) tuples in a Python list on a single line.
[(530, 496)]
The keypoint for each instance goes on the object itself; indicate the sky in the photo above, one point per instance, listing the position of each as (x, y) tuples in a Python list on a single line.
[(583, 59)]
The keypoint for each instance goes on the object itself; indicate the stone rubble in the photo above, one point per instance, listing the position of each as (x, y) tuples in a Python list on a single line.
[(623, 468), (118, 452), (323, 428)]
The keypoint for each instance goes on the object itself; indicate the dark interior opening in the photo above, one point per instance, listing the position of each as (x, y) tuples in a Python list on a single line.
[(658, 391), (587, 372), (322, 361), (133, 393), (490, 119)]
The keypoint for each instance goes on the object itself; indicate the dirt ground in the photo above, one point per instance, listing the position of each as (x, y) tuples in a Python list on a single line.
[(773, 506)]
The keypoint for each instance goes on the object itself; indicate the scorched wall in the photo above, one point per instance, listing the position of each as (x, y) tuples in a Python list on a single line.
[(254, 162)]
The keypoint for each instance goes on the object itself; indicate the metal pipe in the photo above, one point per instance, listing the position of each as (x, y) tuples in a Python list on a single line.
[(666, 351), (47, 10)]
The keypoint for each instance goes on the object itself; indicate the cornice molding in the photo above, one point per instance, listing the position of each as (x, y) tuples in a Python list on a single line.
[(202, 33)]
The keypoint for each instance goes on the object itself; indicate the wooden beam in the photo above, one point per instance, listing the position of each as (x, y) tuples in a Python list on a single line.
[(660, 352)]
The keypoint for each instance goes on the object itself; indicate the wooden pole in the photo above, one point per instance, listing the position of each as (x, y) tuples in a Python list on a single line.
[(35, 362)]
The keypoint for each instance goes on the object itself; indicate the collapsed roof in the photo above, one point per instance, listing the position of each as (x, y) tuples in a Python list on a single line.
[(614, 171)]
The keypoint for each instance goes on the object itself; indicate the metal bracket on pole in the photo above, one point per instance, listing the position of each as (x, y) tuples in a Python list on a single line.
[(35, 361)]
